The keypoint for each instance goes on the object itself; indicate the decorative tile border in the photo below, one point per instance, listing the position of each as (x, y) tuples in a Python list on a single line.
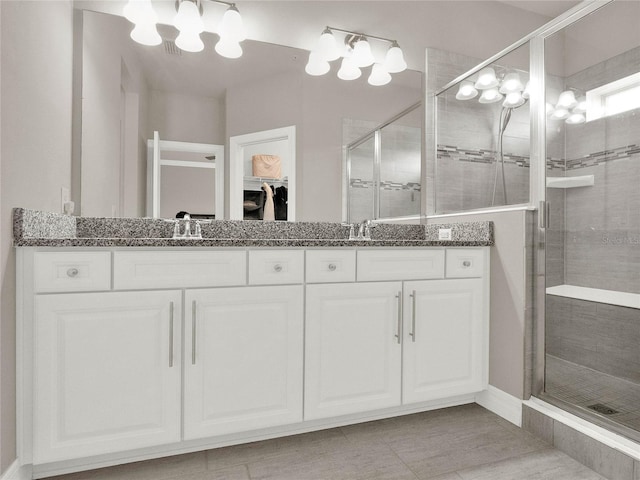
[(479, 156), (605, 156), (385, 185)]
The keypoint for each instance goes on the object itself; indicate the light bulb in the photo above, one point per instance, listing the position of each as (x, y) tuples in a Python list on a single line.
[(581, 107), (146, 34), (559, 113), (139, 11), (490, 96), (511, 83), (327, 47), (394, 60), (348, 71), (188, 19), (379, 76), (231, 26), (567, 100), (316, 66), (575, 119), (526, 93), (362, 56), (466, 91), (513, 100), (189, 42), (486, 79), (228, 48)]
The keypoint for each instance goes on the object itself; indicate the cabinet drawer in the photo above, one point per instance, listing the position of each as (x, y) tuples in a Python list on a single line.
[(273, 267), (173, 269), (327, 266), (400, 264), (72, 271), (465, 263)]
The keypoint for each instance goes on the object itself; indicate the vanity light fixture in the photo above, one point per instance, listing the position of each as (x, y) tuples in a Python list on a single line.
[(356, 54), (188, 21), (568, 108)]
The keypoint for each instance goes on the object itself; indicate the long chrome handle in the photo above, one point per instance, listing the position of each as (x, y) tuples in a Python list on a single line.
[(170, 334), (193, 332), (412, 333), (399, 330)]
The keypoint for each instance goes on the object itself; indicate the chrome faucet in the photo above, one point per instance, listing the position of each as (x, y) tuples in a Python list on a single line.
[(187, 225), (364, 230), (197, 235)]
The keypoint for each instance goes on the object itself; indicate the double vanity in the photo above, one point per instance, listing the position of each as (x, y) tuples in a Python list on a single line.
[(134, 345)]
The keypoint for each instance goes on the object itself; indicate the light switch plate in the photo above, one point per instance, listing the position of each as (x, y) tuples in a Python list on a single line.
[(444, 234)]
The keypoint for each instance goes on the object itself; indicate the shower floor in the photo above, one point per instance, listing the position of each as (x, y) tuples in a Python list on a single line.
[(585, 387)]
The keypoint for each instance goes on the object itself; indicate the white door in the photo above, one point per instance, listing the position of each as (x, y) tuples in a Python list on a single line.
[(352, 349), (243, 359), (444, 339), (107, 373)]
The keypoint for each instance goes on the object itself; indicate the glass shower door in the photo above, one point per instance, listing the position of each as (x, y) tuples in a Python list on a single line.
[(361, 177)]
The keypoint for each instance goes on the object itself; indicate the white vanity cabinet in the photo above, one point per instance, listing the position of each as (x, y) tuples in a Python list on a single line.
[(243, 359), (106, 372)]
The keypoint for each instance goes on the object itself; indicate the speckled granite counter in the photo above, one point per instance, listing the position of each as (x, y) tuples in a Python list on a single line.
[(32, 228)]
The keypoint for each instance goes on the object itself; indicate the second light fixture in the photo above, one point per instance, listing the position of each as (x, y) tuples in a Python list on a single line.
[(356, 54)]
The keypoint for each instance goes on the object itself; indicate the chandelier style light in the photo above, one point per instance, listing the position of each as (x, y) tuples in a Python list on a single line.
[(356, 54), (188, 21)]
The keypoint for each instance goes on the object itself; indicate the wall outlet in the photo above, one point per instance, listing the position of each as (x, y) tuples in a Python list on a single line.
[(444, 234)]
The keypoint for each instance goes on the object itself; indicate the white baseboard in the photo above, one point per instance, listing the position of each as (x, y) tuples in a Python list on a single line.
[(502, 404), (16, 472)]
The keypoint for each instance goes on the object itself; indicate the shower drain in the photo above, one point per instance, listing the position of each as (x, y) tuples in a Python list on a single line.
[(603, 409)]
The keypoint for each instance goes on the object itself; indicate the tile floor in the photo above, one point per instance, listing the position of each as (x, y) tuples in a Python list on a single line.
[(458, 443), (584, 386)]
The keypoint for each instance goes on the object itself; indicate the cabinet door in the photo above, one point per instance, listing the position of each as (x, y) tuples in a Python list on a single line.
[(352, 350), (243, 359), (445, 332), (107, 373)]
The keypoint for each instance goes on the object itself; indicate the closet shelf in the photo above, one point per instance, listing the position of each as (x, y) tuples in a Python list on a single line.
[(255, 183)]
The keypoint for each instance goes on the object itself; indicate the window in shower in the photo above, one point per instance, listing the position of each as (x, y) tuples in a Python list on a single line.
[(592, 253), (383, 167), (482, 139)]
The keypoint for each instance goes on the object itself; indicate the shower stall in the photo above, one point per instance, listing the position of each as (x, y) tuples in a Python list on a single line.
[(382, 167), (564, 139)]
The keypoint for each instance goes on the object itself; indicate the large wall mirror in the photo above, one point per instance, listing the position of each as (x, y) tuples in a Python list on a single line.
[(124, 92)]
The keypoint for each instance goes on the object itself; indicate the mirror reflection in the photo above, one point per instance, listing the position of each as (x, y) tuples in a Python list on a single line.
[(125, 91)]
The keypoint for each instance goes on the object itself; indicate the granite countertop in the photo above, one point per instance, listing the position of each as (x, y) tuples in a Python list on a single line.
[(32, 228)]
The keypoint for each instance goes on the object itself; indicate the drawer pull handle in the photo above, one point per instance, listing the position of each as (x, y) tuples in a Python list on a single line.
[(277, 267), (413, 316), (466, 263), (193, 332), (332, 267), (170, 334), (72, 272), (398, 334)]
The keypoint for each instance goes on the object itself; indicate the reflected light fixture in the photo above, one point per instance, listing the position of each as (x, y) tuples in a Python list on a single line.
[(466, 91), (513, 100), (568, 108), (188, 21), (490, 95), (511, 83), (356, 54), (486, 79)]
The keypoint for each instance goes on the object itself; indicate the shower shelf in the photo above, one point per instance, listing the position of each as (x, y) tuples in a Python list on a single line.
[(570, 182), (611, 297)]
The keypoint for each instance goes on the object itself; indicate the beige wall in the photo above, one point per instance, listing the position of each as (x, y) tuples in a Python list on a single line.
[(35, 151), (510, 298)]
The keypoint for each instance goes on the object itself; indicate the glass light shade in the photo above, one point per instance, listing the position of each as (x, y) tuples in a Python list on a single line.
[(228, 48), (146, 34), (362, 56), (560, 113), (511, 83), (231, 26), (394, 60), (189, 42), (327, 47), (549, 109), (348, 71), (513, 100), (188, 19), (567, 100), (526, 93), (379, 76), (486, 79), (575, 119), (581, 107), (490, 96), (316, 65), (466, 91), (139, 11)]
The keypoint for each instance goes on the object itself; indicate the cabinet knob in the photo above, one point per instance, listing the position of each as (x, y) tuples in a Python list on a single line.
[(72, 272), (332, 267), (466, 263), (277, 267)]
